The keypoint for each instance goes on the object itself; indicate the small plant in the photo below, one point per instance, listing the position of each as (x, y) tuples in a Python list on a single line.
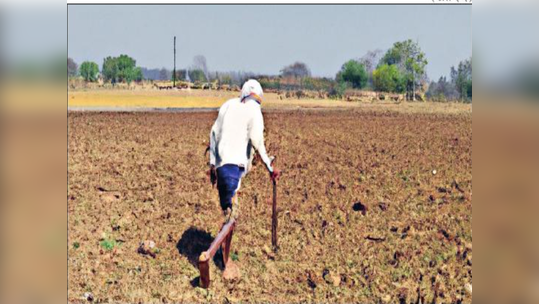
[(108, 244), (76, 245), (234, 256)]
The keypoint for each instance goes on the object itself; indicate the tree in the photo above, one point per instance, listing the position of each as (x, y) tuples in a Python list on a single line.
[(197, 75), (388, 78), (442, 90), (370, 61), (353, 73), (199, 63), (164, 74), (121, 69), (110, 69), (71, 67), (136, 75), (89, 71), (181, 75), (337, 89), (410, 60), (297, 70), (462, 79)]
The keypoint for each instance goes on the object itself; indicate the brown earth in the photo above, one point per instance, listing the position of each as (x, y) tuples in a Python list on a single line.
[(363, 217)]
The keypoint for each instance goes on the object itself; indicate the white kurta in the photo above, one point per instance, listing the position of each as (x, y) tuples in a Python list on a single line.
[(238, 128)]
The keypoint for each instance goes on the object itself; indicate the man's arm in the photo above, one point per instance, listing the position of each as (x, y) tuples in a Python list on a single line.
[(213, 144), (257, 138)]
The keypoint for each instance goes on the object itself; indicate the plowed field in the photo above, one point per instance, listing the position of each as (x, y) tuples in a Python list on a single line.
[(375, 206)]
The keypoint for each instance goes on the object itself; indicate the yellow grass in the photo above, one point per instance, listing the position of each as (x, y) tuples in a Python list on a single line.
[(214, 99)]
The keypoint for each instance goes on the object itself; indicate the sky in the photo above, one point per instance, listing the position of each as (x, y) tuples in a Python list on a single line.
[(263, 39)]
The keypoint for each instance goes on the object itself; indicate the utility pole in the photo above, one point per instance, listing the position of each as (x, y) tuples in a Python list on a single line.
[(174, 72)]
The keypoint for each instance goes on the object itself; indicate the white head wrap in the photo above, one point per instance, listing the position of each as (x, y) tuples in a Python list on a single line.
[(253, 89)]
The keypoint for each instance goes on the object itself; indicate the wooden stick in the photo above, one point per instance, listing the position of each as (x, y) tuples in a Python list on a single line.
[(226, 247), (274, 218), (224, 236), (204, 267)]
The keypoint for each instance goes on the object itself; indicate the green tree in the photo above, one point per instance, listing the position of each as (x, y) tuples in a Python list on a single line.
[(197, 75), (410, 60), (462, 79), (388, 78), (89, 71), (354, 74), (110, 69), (121, 69)]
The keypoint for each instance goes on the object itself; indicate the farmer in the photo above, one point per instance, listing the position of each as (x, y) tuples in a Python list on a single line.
[(238, 129)]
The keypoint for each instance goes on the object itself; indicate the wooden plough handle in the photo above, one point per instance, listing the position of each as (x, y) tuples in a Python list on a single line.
[(223, 239), (274, 218)]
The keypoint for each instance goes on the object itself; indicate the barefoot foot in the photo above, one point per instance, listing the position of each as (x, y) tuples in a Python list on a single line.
[(232, 271)]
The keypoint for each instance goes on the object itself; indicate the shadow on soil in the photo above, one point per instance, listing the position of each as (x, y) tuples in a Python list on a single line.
[(193, 242)]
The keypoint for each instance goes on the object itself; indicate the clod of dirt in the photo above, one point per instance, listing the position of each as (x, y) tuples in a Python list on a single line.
[(89, 296), (442, 233), (148, 197), (456, 185), (147, 248), (336, 280), (383, 206), (331, 277), (468, 288), (311, 283), (375, 238), (360, 207), (443, 190)]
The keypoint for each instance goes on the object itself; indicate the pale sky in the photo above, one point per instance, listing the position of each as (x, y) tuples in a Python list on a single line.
[(263, 39)]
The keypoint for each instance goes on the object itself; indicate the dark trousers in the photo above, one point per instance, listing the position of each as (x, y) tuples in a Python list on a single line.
[(228, 178)]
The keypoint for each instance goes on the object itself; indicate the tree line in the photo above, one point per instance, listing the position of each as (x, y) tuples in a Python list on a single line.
[(114, 70), (401, 69)]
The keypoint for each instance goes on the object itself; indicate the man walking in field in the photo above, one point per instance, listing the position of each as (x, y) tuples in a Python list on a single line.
[(238, 130)]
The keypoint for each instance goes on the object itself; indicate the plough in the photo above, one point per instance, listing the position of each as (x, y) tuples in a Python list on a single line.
[(223, 240)]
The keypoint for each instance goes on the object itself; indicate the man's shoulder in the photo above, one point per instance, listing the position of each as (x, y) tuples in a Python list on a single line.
[(231, 101)]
